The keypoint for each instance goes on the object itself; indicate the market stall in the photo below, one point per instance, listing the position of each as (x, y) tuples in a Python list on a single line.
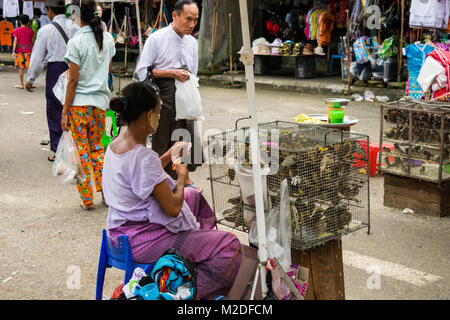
[(295, 189), (379, 57), (419, 159)]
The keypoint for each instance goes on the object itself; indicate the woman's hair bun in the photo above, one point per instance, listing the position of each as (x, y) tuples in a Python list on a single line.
[(116, 105)]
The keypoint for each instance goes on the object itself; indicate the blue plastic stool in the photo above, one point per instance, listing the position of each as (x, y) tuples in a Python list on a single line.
[(334, 56), (118, 257)]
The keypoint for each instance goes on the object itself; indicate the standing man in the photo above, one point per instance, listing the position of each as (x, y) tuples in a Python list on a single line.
[(172, 52), (49, 50)]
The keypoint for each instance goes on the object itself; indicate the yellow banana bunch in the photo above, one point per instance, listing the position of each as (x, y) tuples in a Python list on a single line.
[(304, 118)]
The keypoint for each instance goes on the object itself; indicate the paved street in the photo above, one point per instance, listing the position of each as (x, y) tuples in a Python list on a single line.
[(49, 246)]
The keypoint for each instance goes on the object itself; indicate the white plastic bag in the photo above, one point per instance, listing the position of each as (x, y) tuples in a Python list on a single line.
[(67, 162), (59, 89), (278, 230), (188, 102)]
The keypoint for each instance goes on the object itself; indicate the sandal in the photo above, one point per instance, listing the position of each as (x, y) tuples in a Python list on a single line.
[(194, 186), (44, 142), (18, 86), (87, 208), (51, 158)]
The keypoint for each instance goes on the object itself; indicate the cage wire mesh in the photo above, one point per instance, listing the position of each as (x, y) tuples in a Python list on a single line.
[(327, 172), (415, 139)]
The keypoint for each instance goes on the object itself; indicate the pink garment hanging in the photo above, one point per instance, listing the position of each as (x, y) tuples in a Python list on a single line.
[(444, 58)]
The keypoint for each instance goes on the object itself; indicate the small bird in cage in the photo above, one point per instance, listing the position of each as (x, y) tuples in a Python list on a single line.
[(231, 173), (390, 132), (236, 215), (398, 162), (345, 150), (349, 190), (295, 219), (399, 149), (422, 170), (345, 217)]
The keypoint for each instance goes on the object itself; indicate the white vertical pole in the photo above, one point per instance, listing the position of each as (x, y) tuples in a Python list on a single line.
[(139, 26), (247, 59)]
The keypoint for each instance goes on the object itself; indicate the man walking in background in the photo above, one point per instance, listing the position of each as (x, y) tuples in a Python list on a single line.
[(172, 52), (49, 50)]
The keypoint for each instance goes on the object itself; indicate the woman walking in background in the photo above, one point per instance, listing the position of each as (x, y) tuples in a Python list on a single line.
[(22, 46), (89, 55)]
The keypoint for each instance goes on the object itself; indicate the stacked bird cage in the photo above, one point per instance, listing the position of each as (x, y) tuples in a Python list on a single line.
[(326, 169), (418, 133)]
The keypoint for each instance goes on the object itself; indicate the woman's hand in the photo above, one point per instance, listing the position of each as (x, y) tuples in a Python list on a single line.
[(182, 172), (65, 122), (177, 150)]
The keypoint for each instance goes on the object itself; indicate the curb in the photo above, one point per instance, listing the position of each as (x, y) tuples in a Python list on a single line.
[(7, 62), (303, 86)]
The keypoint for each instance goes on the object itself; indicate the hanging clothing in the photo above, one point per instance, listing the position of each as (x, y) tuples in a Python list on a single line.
[(429, 14), (416, 54), (27, 9), (341, 15), (309, 24), (432, 75), (41, 6), (315, 23), (443, 57), (11, 8), (6, 31), (326, 25)]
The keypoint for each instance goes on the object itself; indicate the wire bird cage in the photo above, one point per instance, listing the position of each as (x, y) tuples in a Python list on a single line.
[(415, 136), (326, 169)]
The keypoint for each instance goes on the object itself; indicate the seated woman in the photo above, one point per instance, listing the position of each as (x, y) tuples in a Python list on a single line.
[(154, 211)]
